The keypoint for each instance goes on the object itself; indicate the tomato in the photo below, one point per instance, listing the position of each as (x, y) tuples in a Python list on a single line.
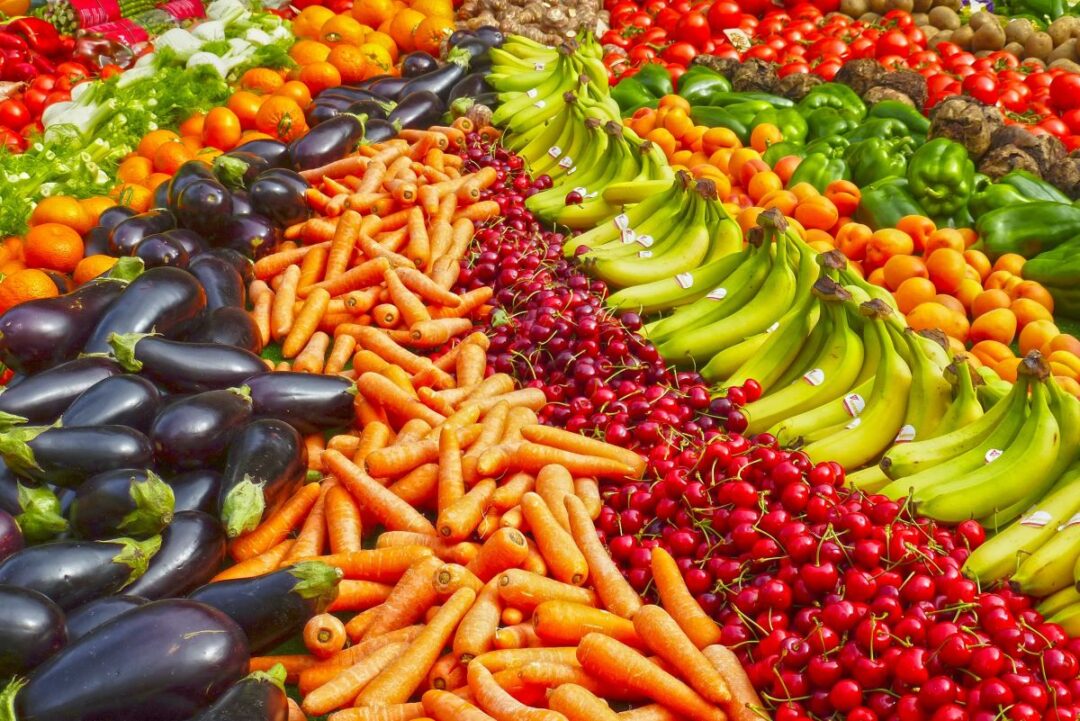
[(724, 14), (727, 51), (653, 36), (43, 82), (14, 114), (1039, 80), (1071, 118), (827, 70), (641, 20), (827, 46), (898, 18), (777, 43), (57, 96), (642, 54), (694, 29), (761, 52), (894, 42), (681, 53), (793, 67), (35, 100), (614, 37), (667, 19), (110, 70), (861, 48), (12, 140), (981, 86), (1054, 126), (1065, 91), (1011, 100), (72, 70)]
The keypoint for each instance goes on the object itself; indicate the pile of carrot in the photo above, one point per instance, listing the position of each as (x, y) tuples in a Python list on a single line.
[(391, 226)]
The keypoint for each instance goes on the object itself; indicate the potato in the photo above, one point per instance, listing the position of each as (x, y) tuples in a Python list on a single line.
[(1018, 30), (905, 5), (941, 36), (930, 31), (922, 6), (988, 37), (951, 4), (877, 6), (1038, 45), (1062, 29), (921, 20), (1014, 48), (854, 8), (870, 18), (1066, 64), (944, 18), (962, 36), (981, 18), (1066, 51)]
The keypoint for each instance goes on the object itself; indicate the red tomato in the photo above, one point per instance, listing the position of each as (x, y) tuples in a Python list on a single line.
[(667, 19), (761, 52), (12, 140), (1065, 91), (827, 70), (793, 67), (72, 70), (724, 14), (693, 28), (642, 54), (861, 48), (641, 20), (1054, 126), (981, 86), (898, 18), (35, 100), (43, 82), (827, 46), (894, 42), (1072, 119), (14, 114), (680, 53)]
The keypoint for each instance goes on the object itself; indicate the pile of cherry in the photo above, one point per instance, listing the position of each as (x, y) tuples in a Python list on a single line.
[(840, 605)]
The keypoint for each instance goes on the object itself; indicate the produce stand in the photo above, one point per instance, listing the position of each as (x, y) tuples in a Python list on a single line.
[(380, 360)]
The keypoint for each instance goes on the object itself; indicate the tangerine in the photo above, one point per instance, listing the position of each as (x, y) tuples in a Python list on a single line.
[(24, 285), (53, 246)]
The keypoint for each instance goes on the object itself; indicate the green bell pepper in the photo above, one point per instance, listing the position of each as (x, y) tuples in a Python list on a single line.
[(775, 101), (792, 125), (834, 146), (874, 159), (655, 78), (630, 95), (836, 96), (881, 128), (941, 177), (699, 84), (826, 122), (776, 151), (885, 202), (819, 170), (994, 196), (916, 122), (1033, 187), (1059, 271), (715, 117), (1028, 229), (746, 111)]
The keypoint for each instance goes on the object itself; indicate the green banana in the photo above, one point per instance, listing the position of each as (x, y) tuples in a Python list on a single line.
[(675, 291), (868, 480), (965, 408), (1050, 567), (1058, 601), (1068, 618), (930, 391), (613, 230)]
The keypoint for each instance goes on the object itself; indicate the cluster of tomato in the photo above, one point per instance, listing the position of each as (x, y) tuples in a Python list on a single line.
[(803, 40)]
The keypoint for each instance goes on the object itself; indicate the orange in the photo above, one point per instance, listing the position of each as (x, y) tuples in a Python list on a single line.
[(1011, 262), (1028, 311), (135, 169), (297, 91), (946, 268), (64, 210), (763, 183), (372, 12), (437, 8), (24, 285), (92, 266), (261, 80), (430, 33), (320, 76), (193, 125), (222, 129), (912, 292), (136, 197), (999, 324), (385, 42), (170, 156), (1037, 335), (94, 207), (901, 267), (281, 117), (989, 300), (309, 51), (153, 140), (54, 247), (246, 105), (350, 62), (402, 26), (311, 19), (343, 29), (378, 60)]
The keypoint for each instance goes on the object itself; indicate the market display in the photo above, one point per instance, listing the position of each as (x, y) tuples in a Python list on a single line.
[(385, 360)]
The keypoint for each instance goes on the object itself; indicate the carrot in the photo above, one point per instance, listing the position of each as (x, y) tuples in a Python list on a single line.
[(361, 276), (384, 565), (563, 623), (342, 521), (614, 662), (461, 235), (346, 443), (522, 635), (262, 302), (470, 302), (366, 360), (500, 704), (533, 679), (579, 704), (315, 445), (403, 457), (476, 633), (373, 249), (419, 486), (589, 493), (325, 671), (390, 510), (651, 712), (281, 312), (342, 350), (312, 535), (553, 484), (494, 385), (534, 562), (433, 333), (509, 494), (492, 429), (511, 616), (434, 401), (452, 576), (445, 273), (462, 553), (483, 210), (337, 169), (381, 391), (293, 664), (448, 360), (445, 706), (489, 524), (525, 590), (662, 634), (439, 240), (395, 712), (374, 437), (412, 307), (513, 518), (295, 712), (410, 598), (343, 689), (471, 362), (679, 602), (419, 246), (745, 704), (446, 674), (324, 635), (386, 315), (391, 352), (557, 547), (283, 367), (317, 199), (268, 266), (497, 460), (401, 679), (424, 287), (258, 565), (276, 528), (567, 441), (305, 323), (359, 596), (614, 591), (505, 549), (312, 358), (533, 456), (312, 268), (458, 520)]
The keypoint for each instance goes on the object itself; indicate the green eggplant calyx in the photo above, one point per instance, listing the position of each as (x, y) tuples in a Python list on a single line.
[(316, 581), (243, 507), (135, 555)]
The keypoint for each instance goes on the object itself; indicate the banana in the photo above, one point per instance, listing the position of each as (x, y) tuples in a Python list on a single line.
[(630, 218), (623, 162), (515, 104), (866, 437), (546, 139), (593, 166), (1056, 602), (549, 160), (965, 408), (676, 291), (1001, 555), (1068, 618), (868, 480), (930, 391), (655, 232), (631, 191), (1024, 464), (1050, 567)]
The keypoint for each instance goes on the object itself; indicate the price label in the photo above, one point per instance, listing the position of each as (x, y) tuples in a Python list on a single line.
[(906, 434), (992, 455), (717, 294), (814, 376), (773, 327), (539, 104), (685, 280), (621, 221), (738, 38), (854, 404), (646, 240), (566, 162), (531, 93), (538, 66), (855, 423), (1071, 522), (1036, 519), (554, 151), (644, 254), (628, 236)]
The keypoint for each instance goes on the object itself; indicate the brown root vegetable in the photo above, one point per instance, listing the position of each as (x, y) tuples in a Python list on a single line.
[(1014, 49), (724, 66), (860, 75), (797, 85), (878, 93), (922, 6), (902, 82), (1006, 159), (754, 76), (962, 36), (1066, 175), (905, 5), (990, 36), (1064, 28), (1065, 51), (1065, 64), (870, 18), (1038, 45), (1045, 149), (941, 36), (982, 18), (1019, 30), (944, 18), (877, 6), (854, 8), (967, 121)]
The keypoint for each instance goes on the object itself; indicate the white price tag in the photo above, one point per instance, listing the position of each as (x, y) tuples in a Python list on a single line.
[(621, 221), (629, 236), (855, 423), (531, 93), (1071, 522), (685, 280), (906, 434), (538, 66), (646, 240), (1036, 519), (644, 254), (554, 151), (992, 455), (814, 376), (738, 38), (581, 190), (773, 327), (854, 404), (539, 104), (717, 294), (572, 170), (566, 162)]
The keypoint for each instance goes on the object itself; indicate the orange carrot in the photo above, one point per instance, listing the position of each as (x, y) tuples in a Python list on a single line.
[(342, 350), (395, 712), (325, 671), (276, 528), (361, 276), (293, 664), (476, 633), (404, 457), (384, 565), (401, 379), (419, 486), (281, 312), (534, 562), (262, 301), (306, 322), (462, 553), (680, 603), (315, 445), (295, 712), (433, 333), (439, 239), (745, 704), (511, 616), (419, 246), (445, 706), (458, 520), (483, 210), (493, 427), (445, 273), (375, 436), (489, 524), (505, 549), (460, 237), (501, 705), (358, 596), (553, 484), (412, 307), (451, 482), (533, 456), (613, 662), (381, 391), (513, 518), (312, 536), (558, 438), (532, 680), (512, 489), (312, 357), (324, 635), (256, 565), (338, 169), (614, 591), (312, 268), (523, 635), (503, 659), (651, 712), (401, 679), (434, 401), (471, 362), (391, 352), (563, 623), (387, 315), (452, 576), (577, 703), (424, 287), (342, 521), (410, 598), (346, 443), (589, 493), (446, 674), (470, 302), (557, 547), (662, 634), (448, 360), (526, 591), (366, 360), (496, 384), (345, 686), (390, 510), (268, 266)]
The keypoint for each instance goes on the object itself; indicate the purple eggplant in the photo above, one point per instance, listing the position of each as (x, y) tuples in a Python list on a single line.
[(11, 538), (163, 661), (389, 87), (476, 48), (123, 400), (417, 63), (223, 284), (42, 397), (327, 142), (87, 617), (240, 262), (192, 552), (309, 403), (165, 300), (196, 431), (440, 80), (469, 86), (267, 462), (160, 198), (353, 92), (68, 456), (372, 109), (319, 113), (111, 217), (190, 172), (273, 607), (202, 206), (490, 35), (274, 152), (40, 333), (252, 234), (31, 630), (191, 241), (196, 490), (241, 202), (379, 131), (185, 367), (36, 510), (259, 696), (129, 502), (96, 241), (72, 573), (238, 168), (127, 233), (229, 326), (419, 109), (280, 196), (159, 249)]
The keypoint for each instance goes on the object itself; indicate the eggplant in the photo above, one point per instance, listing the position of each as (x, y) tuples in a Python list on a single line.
[(203, 205), (196, 490), (68, 456), (273, 607), (476, 48), (222, 283), (192, 552), (440, 80), (86, 618), (11, 538), (379, 131), (240, 262), (126, 235), (160, 198), (42, 397), (123, 400), (267, 462), (419, 109), (259, 696), (330, 141), (163, 661), (165, 300), (129, 502), (253, 235), (190, 172), (196, 431), (417, 63), (319, 113), (159, 249), (241, 202), (389, 88), (274, 152), (492, 36), (185, 367), (60, 280), (35, 509), (229, 326), (31, 630), (469, 86), (72, 573), (350, 93), (110, 217), (191, 241), (239, 168), (373, 109), (459, 36), (309, 403), (96, 241), (40, 333), (280, 196)]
